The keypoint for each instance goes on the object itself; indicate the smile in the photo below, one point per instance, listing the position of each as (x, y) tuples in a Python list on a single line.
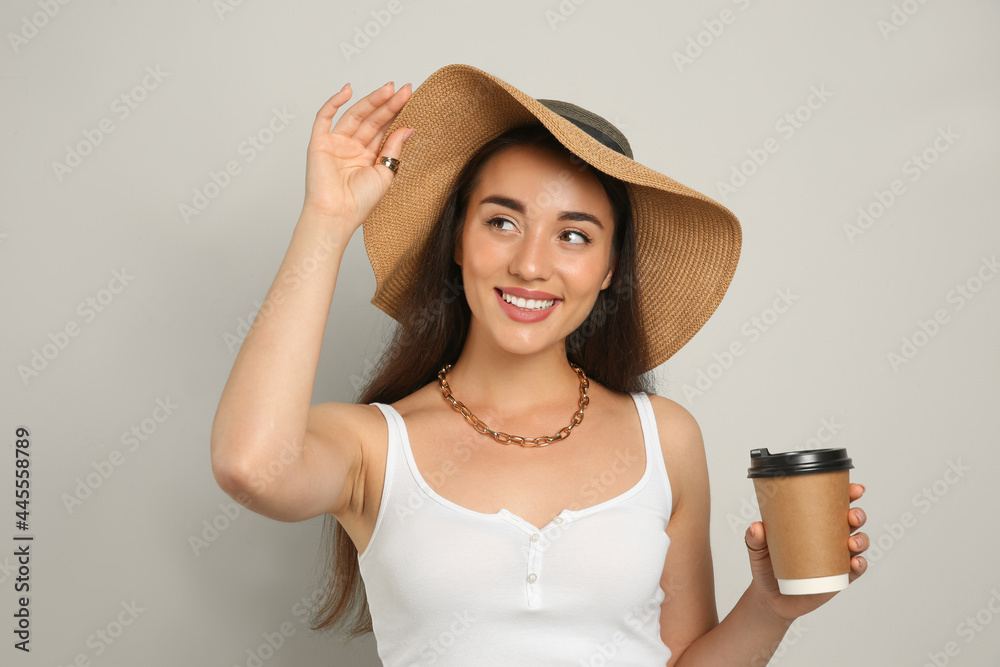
[(525, 310), (527, 304)]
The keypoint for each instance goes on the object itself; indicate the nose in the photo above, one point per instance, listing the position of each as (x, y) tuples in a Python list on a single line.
[(530, 259)]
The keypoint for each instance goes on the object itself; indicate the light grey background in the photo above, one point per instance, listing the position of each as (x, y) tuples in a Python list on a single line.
[(923, 433)]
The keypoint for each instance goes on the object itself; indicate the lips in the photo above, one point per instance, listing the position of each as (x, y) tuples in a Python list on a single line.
[(527, 293), (523, 314), (528, 300)]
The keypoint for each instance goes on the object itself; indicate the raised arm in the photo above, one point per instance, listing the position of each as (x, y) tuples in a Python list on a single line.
[(270, 449)]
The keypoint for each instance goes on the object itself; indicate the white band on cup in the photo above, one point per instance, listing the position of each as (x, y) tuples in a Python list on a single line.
[(837, 582)]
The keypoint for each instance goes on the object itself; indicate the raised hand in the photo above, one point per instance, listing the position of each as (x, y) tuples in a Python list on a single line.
[(344, 182)]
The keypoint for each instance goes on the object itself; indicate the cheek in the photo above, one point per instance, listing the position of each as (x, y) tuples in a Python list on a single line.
[(587, 276), (481, 257)]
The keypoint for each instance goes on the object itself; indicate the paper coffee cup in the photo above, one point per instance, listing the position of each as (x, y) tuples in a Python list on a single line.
[(804, 500)]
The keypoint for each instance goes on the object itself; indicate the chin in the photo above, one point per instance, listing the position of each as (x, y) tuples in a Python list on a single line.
[(536, 342), (523, 338)]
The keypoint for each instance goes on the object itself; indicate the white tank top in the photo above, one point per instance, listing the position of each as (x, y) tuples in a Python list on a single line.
[(447, 585)]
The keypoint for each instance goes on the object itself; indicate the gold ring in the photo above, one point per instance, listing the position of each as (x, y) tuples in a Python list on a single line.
[(390, 162), (756, 551)]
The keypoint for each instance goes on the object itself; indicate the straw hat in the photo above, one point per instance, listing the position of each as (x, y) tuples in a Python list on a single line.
[(687, 245)]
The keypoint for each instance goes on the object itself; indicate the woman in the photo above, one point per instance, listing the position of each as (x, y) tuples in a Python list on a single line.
[(508, 486)]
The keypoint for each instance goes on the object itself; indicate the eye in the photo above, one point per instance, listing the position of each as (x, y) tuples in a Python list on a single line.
[(491, 222), (584, 237)]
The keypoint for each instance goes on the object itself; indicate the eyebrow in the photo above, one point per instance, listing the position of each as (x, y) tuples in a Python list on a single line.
[(518, 206)]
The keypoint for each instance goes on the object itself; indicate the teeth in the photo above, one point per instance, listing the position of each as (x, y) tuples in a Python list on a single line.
[(528, 304)]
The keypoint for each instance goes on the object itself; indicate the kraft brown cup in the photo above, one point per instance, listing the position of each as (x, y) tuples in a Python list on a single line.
[(804, 499)]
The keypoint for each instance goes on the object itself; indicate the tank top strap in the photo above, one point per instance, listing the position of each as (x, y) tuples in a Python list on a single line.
[(406, 480), (395, 474), (660, 480)]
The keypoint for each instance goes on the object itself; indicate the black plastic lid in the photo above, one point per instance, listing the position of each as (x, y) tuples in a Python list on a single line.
[(765, 464)]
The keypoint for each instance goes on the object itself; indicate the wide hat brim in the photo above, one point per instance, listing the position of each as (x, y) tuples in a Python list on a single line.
[(687, 244)]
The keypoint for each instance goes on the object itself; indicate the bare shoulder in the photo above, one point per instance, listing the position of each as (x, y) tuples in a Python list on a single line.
[(683, 449), (335, 419), (355, 433), (680, 434), (359, 433)]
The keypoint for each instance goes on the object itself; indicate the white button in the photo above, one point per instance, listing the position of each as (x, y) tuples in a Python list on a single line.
[(532, 577), (536, 537), (558, 519)]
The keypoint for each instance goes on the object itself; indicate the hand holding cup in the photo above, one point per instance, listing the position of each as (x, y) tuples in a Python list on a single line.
[(803, 552)]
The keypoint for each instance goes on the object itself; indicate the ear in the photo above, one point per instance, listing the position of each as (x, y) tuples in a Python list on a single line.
[(611, 272)]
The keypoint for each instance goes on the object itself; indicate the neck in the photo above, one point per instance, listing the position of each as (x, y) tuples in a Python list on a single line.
[(495, 383)]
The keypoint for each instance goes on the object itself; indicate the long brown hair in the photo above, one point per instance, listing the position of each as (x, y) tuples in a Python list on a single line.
[(610, 345)]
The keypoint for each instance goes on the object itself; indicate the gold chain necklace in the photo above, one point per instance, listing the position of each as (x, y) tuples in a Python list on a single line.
[(505, 438)]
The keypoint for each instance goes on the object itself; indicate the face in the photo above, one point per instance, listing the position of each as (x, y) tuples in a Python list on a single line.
[(537, 229)]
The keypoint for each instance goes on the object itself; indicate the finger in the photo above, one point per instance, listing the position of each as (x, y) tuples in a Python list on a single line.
[(388, 113), (756, 541), (857, 517), (324, 117), (856, 491), (859, 542), (360, 110), (372, 130), (394, 147), (859, 565)]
